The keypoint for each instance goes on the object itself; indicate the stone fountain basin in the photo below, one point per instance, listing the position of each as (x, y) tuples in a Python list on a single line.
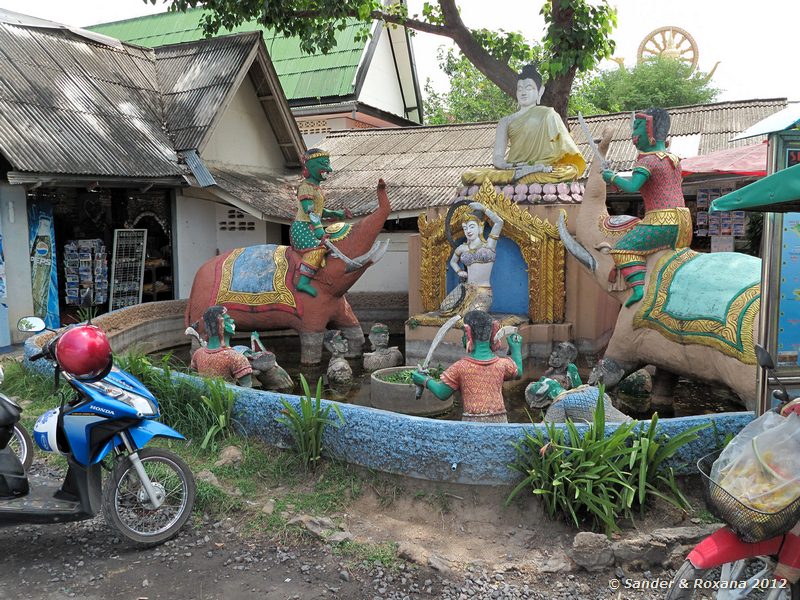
[(391, 442), (401, 397)]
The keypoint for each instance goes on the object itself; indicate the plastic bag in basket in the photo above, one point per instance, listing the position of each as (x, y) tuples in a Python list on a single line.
[(761, 466)]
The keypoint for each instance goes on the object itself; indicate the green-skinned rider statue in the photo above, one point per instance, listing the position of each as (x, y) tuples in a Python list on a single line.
[(667, 222), (306, 233)]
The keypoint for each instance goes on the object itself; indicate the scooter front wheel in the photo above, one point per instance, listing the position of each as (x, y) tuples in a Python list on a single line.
[(749, 578), (21, 444), (127, 506)]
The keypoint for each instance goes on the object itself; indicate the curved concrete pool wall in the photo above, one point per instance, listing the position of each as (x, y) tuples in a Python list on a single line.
[(432, 449), (439, 450)]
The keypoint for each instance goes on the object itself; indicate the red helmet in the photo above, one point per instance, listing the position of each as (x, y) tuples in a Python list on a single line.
[(84, 353)]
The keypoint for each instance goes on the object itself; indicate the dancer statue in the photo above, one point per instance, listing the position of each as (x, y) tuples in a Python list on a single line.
[(473, 262)]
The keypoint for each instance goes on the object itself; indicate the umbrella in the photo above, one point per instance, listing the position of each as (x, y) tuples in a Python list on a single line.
[(748, 160), (780, 192)]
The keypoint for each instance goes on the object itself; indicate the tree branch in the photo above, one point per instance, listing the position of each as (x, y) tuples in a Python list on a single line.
[(494, 70), (380, 15)]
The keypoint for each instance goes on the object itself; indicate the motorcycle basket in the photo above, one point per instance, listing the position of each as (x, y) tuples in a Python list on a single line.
[(749, 524)]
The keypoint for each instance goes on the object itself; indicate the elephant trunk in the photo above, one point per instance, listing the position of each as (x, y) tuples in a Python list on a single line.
[(359, 242)]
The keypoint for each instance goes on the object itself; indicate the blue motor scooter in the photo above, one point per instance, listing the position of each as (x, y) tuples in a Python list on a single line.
[(149, 493)]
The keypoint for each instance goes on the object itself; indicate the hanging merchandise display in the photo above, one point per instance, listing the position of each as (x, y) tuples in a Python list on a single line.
[(85, 268), (44, 275)]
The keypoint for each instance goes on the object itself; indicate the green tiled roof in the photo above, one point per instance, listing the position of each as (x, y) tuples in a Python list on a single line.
[(302, 75)]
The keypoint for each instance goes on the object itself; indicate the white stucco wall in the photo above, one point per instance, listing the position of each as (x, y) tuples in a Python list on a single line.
[(198, 236), (391, 273), (381, 88), (14, 220), (243, 135), (195, 239), (228, 240)]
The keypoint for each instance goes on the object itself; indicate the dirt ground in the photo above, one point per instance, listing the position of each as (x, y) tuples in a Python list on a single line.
[(448, 534)]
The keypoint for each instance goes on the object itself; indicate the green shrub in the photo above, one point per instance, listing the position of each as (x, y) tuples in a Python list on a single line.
[(220, 401), (598, 478), (306, 424), (180, 401), (404, 376)]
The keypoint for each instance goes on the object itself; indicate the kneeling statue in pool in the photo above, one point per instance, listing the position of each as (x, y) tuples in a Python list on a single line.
[(479, 375), (217, 358)]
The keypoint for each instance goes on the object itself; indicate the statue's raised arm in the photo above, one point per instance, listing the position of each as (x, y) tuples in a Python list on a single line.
[(532, 145)]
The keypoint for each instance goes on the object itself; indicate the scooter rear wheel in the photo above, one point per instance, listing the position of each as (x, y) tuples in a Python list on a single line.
[(127, 506), (21, 444), (728, 582)]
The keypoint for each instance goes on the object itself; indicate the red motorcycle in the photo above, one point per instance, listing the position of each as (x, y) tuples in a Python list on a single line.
[(757, 554)]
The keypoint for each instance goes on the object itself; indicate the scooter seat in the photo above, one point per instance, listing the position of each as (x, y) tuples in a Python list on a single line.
[(9, 411)]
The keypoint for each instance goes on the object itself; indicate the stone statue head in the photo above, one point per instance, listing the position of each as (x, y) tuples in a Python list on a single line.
[(562, 355), (650, 126), (262, 361), (316, 164), (529, 86), (379, 337), (540, 394), (217, 322), (335, 343)]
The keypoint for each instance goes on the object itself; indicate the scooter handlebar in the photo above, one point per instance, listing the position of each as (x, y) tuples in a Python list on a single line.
[(36, 356)]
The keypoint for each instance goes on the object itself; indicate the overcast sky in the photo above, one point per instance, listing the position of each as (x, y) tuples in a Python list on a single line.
[(754, 41)]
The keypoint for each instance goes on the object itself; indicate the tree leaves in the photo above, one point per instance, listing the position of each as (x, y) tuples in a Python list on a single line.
[(660, 82)]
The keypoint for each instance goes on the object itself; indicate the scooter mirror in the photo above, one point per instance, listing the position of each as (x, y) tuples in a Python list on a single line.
[(31, 325), (763, 358)]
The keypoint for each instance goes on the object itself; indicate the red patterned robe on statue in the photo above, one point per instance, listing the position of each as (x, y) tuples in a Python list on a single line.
[(481, 385), (667, 223)]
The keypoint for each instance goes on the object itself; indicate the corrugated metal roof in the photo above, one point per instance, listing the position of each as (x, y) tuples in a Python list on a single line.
[(266, 193), (422, 165), (74, 106), (195, 79), (70, 105), (302, 76)]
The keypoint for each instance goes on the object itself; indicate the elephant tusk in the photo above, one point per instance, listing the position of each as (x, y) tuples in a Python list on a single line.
[(573, 246)]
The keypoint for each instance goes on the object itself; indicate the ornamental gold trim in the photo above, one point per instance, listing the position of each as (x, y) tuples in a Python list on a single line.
[(281, 294), (734, 337), (609, 231), (538, 241), (339, 230)]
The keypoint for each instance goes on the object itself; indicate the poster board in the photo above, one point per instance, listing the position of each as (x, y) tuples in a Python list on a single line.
[(127, 267)]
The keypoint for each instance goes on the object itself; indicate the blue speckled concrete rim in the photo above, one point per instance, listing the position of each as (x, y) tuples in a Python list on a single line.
[(432, 449)]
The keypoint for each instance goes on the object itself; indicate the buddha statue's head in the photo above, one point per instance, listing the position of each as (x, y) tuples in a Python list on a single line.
[(529, 86), (650, 127), (473, 226)]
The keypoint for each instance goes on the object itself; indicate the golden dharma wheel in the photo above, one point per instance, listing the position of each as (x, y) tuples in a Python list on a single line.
[(669, 42)]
